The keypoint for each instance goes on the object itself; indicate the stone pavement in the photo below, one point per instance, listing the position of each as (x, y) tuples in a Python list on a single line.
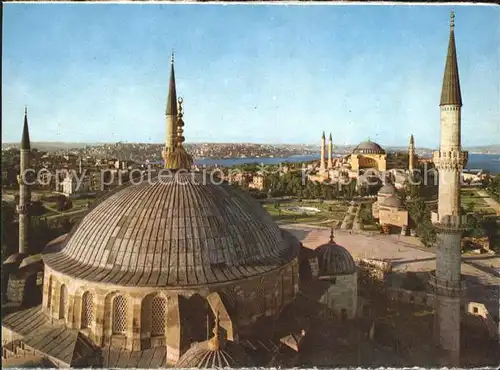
[(405, 254)]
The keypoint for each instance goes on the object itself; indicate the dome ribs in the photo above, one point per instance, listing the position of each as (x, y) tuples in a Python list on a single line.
[(178, 232), (165, 242), (158, 247), (151, 232), (133, 223)]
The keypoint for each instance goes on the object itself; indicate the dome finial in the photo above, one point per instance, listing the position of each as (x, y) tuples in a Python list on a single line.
[(179, 159), (452, 20), (180, 123), (331, 236), (214, 342)]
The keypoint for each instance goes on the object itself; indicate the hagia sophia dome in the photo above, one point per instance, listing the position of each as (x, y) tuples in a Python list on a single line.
[(368, 147), (393, 202), (387, 189), (178, 246)]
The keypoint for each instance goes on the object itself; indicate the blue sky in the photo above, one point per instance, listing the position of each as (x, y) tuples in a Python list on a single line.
[(247, 73)]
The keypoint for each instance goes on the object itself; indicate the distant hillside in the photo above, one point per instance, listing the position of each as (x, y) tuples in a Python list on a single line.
[(484, 148), (50, 146)]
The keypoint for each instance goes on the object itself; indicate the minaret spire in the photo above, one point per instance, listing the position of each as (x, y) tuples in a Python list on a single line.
[(330, 152), (450, 92), (25, 140), (24, 188), (171, 113), (322, 165), (172, 93)]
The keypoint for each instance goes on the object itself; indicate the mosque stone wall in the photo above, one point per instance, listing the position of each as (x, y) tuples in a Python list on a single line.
[(66, 300), (342, 294)]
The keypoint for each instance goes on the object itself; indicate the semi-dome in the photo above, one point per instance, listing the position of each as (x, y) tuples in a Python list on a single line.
[(203, 356), (392, 201), (368, 147), (387, 189), (334, 259), (178, 230)]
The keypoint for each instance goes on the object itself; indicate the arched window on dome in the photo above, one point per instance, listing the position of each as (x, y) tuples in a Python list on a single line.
[(49, 292), (63, 302), (87, 310), (158, 313), (119, 315)]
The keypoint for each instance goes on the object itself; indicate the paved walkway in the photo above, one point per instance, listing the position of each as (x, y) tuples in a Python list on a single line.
[(490, 201), (406, 254)]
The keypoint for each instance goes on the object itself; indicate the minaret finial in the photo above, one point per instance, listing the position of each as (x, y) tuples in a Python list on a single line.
[(452, 20), (172, 56), (25, 110), (214, 342), (178, 158), (180, 123)]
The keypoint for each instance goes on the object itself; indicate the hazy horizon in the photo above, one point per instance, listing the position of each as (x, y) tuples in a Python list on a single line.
[(267, 74)]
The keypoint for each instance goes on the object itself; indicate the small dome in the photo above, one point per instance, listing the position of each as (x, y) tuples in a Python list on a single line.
[(203, 356), (335, 260), (392, 201), (368, 147), (387, 189)]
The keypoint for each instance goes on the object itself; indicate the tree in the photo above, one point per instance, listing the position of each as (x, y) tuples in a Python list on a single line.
[(9, 230), (470, 207), (420, 215)]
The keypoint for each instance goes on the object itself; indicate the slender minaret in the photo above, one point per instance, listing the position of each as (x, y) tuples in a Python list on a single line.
[(411, 155), (24, 188), (322, 163), (171, 114), (330, 152), (80, 166), (449, 160)]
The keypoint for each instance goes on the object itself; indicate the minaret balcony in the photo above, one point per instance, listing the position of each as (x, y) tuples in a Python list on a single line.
[(449, 223), (450, 160), (22, 208), (446, 287)]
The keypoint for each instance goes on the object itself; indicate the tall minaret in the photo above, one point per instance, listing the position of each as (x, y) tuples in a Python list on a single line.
[(171, 114), (322, 163), (80, 165), (330, 152), (411, 155), (24, 189), (449, 160)]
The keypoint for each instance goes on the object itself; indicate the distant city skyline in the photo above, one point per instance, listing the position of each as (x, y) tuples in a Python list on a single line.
[(267, 74)]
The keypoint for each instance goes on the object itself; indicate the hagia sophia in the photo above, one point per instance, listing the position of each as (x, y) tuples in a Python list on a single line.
[(181, 272)]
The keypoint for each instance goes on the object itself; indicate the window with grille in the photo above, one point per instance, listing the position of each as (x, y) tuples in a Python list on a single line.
[(87, 310), (49, 292), (119, 315), (63, 301), (158, 309)]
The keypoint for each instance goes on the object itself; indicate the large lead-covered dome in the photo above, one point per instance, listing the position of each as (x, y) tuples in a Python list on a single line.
[(368, 147), (182, 230)]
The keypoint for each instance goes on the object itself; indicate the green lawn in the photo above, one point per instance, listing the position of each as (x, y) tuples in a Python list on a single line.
[(470, 196), (333, 211)]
